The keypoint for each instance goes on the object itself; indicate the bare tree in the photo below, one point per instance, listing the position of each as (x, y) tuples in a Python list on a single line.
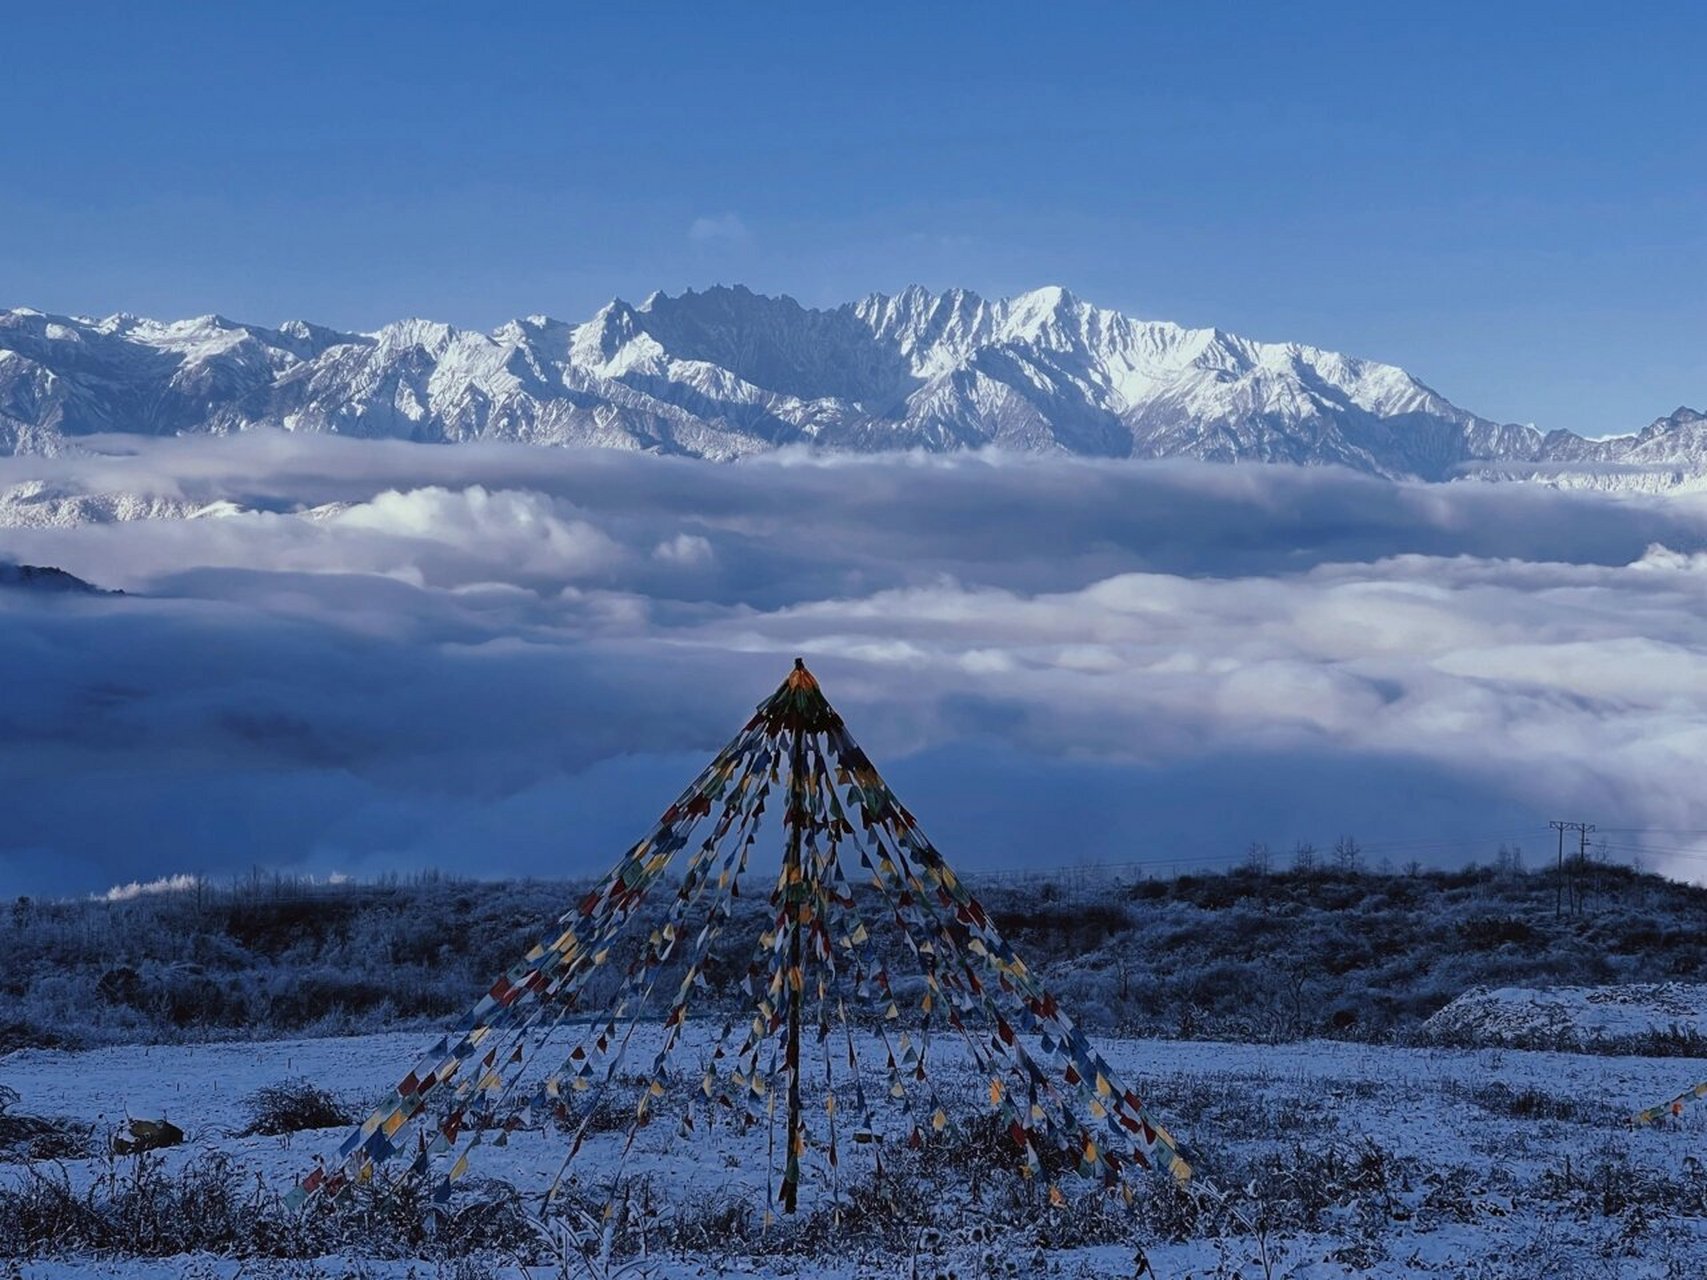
[(1348, 854), (1257, 857)]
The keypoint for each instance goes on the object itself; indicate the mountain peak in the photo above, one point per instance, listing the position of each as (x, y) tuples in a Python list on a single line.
[(725, 371), (1049, 314), (1049, 297), (429, 335)]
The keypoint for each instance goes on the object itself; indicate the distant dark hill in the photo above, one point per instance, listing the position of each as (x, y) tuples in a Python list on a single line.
[(1247, 954), (31, 577)]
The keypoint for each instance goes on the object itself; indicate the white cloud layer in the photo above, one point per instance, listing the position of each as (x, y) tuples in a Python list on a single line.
[(505, 659)]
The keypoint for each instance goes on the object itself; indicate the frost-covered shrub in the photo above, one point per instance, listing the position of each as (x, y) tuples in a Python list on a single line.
[(214, 1206), (26, 1137), (1532, 1103), (120, 985), (291, 1106)]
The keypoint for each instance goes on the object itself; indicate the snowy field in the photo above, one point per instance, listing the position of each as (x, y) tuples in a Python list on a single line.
[(1341, 1160)]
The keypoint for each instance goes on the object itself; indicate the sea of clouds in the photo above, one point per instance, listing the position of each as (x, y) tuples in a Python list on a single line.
[(373, 656)]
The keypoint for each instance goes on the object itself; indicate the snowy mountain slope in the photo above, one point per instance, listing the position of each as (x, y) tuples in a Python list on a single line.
[(35, 504), (1570, 1017), (727, 372)]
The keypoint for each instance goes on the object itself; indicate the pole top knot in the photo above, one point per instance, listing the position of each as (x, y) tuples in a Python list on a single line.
[(800, 679)]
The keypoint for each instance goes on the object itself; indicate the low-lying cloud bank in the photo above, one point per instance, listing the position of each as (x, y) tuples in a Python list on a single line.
[(365, 656)]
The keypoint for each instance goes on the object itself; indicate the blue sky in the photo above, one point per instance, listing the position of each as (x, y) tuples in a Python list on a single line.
[(1509, 200)]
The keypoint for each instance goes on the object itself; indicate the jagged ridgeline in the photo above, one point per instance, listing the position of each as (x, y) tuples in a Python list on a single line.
[(837, 1046), (727, 372)]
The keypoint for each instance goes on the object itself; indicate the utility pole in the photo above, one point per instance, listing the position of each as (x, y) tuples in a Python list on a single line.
[(1582, 829), (1582, 850)]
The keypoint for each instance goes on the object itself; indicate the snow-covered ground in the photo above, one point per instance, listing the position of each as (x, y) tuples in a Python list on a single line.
[(1483, 1163), (1577, 1017)]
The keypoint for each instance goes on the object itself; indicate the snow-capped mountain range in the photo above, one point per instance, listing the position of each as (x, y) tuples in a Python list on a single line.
[(727, 372)]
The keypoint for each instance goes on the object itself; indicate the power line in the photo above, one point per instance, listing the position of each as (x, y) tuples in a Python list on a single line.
[(1473, 842), (1660, 830), (1394, 847), (1693, 854)]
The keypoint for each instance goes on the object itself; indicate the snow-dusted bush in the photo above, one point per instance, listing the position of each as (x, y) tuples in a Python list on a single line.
[(26, 1137), (292, 1106), (211, 1205)]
